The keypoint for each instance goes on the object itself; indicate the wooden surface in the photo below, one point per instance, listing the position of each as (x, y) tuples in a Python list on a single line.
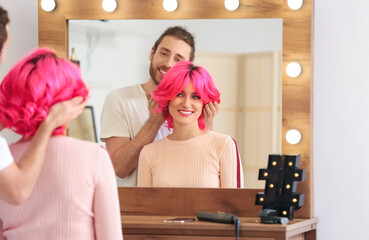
[(297, 34), (187, 201), (153, 227), (297, 93)]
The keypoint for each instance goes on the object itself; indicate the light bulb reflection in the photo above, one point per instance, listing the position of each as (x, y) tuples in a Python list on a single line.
[(231, 5), (48, 5), (109, 5), (295, 4), (293, 136), (170, 5), (293, 69)]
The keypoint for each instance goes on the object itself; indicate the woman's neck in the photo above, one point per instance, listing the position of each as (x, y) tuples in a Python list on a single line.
[(30, 138), (181, 133)]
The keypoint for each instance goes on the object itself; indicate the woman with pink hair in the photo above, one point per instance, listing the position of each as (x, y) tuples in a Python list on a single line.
[(191, 156), (18, 179), (76, 195)]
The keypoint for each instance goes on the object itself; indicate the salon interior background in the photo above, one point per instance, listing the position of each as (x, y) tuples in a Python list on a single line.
[(340, 101)]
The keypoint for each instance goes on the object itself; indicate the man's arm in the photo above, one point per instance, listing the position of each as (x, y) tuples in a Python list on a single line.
[(124, 151), (17, 180)]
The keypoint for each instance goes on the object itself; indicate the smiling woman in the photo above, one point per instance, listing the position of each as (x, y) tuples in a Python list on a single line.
[(192, 156)]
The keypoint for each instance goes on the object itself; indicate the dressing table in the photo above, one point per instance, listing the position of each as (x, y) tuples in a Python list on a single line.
[(143, 211), (153, 227)]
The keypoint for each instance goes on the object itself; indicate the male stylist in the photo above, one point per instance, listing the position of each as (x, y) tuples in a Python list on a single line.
[(128, 123)]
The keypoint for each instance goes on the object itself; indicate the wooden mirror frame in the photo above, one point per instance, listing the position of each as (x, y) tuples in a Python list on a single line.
[(297, 47)]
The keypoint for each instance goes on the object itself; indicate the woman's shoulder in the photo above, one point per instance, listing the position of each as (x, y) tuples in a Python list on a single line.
[(155, 145), (75, 144), (219, 136), (72, 141)]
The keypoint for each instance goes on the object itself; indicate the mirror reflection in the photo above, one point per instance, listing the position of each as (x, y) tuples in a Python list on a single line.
[(242, 55)]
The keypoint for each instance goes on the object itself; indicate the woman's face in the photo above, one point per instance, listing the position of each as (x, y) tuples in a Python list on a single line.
[(186, 107)]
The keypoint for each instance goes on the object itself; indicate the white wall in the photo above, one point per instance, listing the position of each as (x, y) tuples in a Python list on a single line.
[(23, 37), (341, 119), (23, 31), (341, 110)]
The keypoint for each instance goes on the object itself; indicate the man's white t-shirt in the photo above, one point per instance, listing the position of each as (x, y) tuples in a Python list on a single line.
[(5, 157), (124, 113)]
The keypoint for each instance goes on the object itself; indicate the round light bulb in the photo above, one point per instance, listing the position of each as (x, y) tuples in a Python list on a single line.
[(293, 69), (295, 4), (274, 163), (293, 136), (109, 5), (288, 186), (170, 5), (231, 5), (271, 185), (290, 163), (265, 174), (297, 175), (294, 200), (261, 199), (48, 5), (284, 212)]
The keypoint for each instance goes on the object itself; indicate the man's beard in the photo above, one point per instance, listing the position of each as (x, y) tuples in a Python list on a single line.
[(152, 74)]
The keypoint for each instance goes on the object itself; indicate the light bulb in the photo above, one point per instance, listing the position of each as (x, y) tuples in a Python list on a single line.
[(294, 4), (170, 5), (48, 5), (231, 5), (293, 136), (293, 69), (109, 5)]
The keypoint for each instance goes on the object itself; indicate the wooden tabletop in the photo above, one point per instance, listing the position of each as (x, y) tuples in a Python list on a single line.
[(145, 224)]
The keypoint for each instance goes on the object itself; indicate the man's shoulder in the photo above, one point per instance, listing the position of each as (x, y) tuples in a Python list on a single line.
[(128, 91), (127, 94)]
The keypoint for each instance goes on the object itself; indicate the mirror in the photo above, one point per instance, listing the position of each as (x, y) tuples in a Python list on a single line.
[(84, 126), (297, 47), (114, 53)]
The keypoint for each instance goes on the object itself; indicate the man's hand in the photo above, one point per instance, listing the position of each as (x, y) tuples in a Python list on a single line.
[(209, 112), (152, 104), (62, 113)]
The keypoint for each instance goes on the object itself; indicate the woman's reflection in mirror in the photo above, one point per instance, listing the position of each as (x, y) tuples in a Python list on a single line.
[(192, 155)]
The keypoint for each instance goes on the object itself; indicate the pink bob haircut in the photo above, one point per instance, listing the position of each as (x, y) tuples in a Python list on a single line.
[(176, 80), (35, 84)]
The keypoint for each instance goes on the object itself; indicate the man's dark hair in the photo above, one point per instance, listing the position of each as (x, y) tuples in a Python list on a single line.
[(4, 20), (179, 33)]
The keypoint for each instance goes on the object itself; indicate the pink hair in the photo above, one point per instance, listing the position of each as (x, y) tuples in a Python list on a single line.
[(35, 84), (176, 80)]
